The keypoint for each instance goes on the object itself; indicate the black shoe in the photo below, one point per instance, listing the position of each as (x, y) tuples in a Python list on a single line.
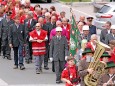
[(15, 67), (40, 70), (46, 68), (30, 61), (22, 67), (9, 58), (27, 61), (58, 82)]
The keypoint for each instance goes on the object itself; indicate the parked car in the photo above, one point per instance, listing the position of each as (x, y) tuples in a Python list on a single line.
[(106, 13), (35, 1)]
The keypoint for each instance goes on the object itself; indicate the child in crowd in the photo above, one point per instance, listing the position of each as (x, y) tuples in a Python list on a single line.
[(69, 74)]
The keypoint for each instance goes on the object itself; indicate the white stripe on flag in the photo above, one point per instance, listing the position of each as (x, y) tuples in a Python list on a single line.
[(2, 83)]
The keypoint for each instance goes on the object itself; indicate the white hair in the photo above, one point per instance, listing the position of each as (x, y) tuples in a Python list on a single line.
[(30, 13), (93, 35)]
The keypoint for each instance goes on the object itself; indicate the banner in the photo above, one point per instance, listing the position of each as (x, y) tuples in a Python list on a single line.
[(74, 34)]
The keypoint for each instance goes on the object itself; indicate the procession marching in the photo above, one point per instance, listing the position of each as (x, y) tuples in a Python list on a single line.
[(78, 57)]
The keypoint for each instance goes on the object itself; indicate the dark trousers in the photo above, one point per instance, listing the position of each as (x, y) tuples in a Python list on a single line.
[(0, 45), (59, 66), (6, 50), (28, 51), (46, 56), (18, 55), (53, 68)]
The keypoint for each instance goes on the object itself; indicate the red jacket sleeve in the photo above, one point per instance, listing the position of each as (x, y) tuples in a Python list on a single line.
[(65, 74)]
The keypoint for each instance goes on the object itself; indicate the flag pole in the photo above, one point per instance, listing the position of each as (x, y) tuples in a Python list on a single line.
[(71, 6), (71, 14), (71, 26)]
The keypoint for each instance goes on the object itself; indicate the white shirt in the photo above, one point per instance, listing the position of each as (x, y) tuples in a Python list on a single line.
[(1, 18), (108, 31), (38, 32), (59, 37)]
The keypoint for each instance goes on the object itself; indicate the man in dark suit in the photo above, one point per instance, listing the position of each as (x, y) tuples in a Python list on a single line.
[(110, 36), (1, 17), (5, 23), (51, 25), (29, 24), (0, 39), (16, 41), (108, 79), (105, 31), (92, 28), (58, 52)]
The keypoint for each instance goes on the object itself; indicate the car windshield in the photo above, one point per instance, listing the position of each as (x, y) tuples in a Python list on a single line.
[(105, 9)]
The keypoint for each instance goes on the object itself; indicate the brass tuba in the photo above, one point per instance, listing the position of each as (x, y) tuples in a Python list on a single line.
[(97, 65)]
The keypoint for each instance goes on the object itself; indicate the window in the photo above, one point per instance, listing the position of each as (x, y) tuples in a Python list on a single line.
[(105, 9)]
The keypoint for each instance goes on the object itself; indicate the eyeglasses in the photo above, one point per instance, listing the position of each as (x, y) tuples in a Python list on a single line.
[(59, 31)]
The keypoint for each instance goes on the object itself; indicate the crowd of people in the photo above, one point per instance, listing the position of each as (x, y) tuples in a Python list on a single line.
[(44, 34)]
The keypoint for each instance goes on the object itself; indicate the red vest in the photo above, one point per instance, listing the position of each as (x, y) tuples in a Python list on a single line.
[(38, 48)]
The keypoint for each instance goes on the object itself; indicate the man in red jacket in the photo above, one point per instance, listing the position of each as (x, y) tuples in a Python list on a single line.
[(38, 38)]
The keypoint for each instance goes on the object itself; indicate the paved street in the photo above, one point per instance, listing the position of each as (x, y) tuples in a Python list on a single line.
[(28, 77)]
